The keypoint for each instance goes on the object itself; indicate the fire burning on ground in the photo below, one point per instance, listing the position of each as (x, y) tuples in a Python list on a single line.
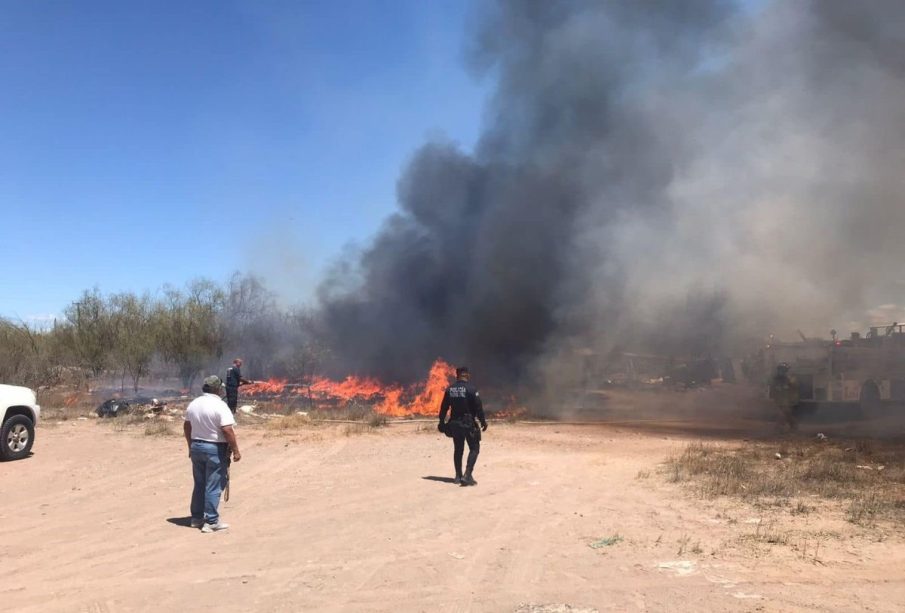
[(392, 400)]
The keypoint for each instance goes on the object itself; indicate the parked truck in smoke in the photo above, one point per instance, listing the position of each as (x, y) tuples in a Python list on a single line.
[(861, 374)]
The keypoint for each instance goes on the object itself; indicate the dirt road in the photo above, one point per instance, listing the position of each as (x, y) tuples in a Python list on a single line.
[(327, 520)]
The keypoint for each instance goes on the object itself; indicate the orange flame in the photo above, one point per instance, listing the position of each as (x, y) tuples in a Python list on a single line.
[(426, 401), (510, 413), (424, 398), (271, 386), (347, 389), (512, 409)]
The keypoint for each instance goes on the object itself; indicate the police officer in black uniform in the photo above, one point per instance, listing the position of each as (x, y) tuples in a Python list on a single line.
[(234, 379), (463, 403)]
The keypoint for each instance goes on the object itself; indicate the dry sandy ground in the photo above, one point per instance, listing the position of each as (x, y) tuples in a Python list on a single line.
[(327, 520)]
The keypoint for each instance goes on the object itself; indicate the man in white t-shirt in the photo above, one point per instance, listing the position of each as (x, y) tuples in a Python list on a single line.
[(210, 436)]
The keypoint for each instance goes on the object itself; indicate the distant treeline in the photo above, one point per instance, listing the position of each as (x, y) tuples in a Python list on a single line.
[(176, 332)]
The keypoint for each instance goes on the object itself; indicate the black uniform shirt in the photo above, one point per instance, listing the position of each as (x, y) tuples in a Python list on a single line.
[(464, 400), (234, 377)]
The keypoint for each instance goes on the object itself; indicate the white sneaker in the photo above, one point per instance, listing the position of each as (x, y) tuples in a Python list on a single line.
[(208, 528), (197, 523)]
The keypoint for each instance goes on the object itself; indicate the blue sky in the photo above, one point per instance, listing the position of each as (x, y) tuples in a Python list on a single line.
[(144, 143)]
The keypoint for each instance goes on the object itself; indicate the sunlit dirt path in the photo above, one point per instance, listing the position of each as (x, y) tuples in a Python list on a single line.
[(325, 519)]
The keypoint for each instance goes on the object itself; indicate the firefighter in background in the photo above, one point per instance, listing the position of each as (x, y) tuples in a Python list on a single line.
[(234, 379), (463, 402), (785, 394)]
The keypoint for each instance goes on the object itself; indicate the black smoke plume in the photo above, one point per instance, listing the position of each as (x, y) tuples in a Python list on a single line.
[(674, 176)]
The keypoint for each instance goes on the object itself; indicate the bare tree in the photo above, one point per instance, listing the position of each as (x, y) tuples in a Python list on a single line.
[(189, 329), (252, 323), (28, 355), (88, 332), (135, 325)]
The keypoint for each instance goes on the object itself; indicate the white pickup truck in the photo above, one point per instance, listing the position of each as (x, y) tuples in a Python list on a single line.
[(19, 413)]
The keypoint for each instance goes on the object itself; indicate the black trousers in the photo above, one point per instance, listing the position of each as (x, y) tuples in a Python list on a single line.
[(474, 448), (232, 398)]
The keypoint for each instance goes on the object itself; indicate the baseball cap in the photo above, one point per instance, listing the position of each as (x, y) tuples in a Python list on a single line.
[(213, 383)]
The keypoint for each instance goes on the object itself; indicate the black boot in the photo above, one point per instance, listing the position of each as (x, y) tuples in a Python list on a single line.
[(468, 479), (458, 479)]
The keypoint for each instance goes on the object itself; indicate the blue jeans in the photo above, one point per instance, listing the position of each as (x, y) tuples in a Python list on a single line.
[(209, 464)]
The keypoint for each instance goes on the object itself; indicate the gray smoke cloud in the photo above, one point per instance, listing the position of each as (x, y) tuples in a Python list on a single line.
[(673, 176)]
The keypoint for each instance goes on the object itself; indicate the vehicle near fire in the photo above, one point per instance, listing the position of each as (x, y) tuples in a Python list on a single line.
[(19, 412), (865, 373)]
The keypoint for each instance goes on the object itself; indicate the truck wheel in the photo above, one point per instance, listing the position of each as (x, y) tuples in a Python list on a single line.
[(16, 437), (869, 400)]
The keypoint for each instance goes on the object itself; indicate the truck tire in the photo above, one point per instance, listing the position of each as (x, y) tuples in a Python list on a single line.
[(869, 399), (16, 437)]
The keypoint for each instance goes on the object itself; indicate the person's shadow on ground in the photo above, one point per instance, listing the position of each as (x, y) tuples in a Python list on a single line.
[(185, 522), (440, 479)]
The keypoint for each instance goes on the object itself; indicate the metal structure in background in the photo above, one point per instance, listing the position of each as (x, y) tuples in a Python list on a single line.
[(590, 370), (861, 372)]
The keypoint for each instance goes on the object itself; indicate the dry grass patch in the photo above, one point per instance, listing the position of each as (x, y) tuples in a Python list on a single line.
[(686, 546), (355, 429), (351, 411), (355, 421), (288, 423), (51, 415), (123, 423), (867, 477), (158, 427), (376, 420), (66, 401), (138, 422), (357, 414)]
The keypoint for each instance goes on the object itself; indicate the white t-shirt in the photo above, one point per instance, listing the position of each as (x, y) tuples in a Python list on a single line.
[(208, 414)]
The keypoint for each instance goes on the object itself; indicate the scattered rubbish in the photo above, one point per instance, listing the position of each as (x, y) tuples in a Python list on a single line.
[(119, 406), (777, 455), (606, 542), (552, 608), (849, 449), (744, 596), (880, 467), (682, 568), (863, 467), (246, 409), (113, 407), (455, 555), (821, 436)]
